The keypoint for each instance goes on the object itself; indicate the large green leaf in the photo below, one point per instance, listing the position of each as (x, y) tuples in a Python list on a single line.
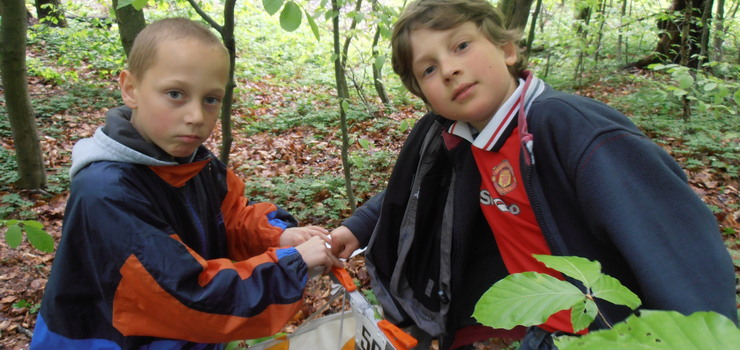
[(611, 290), (39, 239), (582, 269), (272, 6), (661, 330), (291, 16), (526, 298), (583, 314), (14, 236), (33, 223), (314, 27)]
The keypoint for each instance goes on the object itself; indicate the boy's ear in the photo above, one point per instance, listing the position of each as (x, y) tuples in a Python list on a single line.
[(127, 83), (510, 53)]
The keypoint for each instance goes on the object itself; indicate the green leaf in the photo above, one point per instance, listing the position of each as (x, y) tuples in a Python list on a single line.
[(137, 4), (314, 27), (710, 86), (661, 330), (272, 6), (526, 298), (385, 32), (39, 239), (685, 81), (123, 3), (364, 143), (379, 62), (356, 16), (345, 106), (291, 16), (582, 269), (14, 236), (611, 290), (404, 125), (330, 14), (583, 314), (33, 223)]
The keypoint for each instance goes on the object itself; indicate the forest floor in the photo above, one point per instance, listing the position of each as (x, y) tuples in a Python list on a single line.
[(24, 271)]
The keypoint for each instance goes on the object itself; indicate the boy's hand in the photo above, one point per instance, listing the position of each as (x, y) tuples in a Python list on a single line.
[(343, 242), (296, 235), (315, 253)]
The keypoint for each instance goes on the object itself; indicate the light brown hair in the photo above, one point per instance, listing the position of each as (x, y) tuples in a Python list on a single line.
[(144, 51), (443, 15)]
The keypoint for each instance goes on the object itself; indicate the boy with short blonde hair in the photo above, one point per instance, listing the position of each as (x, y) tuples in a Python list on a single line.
[(159, 248), (505, 167)]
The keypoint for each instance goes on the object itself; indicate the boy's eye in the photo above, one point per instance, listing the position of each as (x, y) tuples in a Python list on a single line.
[(174, 94), (428, 70), (462, 46), (212, 100)]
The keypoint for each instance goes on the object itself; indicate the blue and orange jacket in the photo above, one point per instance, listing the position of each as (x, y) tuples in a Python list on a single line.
[(158, 253)]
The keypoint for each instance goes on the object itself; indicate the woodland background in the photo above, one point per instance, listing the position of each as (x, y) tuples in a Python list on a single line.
[(317, 115)]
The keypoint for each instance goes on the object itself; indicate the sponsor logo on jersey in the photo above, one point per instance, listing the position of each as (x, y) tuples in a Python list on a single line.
[(486, 199)]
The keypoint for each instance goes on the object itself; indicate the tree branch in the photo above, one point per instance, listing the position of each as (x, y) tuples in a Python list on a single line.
[(206, 17)]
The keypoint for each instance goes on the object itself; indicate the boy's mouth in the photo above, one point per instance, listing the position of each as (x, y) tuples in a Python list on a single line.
[(190, 138), (461, 91)]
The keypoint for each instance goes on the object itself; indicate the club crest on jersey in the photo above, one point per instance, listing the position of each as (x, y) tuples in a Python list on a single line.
[(503, 178)]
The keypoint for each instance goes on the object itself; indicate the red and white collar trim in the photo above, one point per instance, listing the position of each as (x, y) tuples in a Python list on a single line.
[(498, 128)]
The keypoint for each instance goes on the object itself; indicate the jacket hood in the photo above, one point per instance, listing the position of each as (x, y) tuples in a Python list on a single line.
[(118, 141)]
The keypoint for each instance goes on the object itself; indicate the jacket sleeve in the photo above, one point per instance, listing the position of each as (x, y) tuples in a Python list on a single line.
[(134, 265), (251, 228), (363, 220), (634, 195)]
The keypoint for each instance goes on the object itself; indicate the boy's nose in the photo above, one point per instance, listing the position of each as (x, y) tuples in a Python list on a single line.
[(451, 71), (194, 115)]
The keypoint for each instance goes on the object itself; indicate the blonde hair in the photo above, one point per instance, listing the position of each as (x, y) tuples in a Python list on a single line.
[(443, 15), (144, 50)]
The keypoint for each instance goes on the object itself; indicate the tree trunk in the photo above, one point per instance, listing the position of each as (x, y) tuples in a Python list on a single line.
[(530, 37), (343, 95), (583, 20), (516, 13), (18, 101), (719, 30), (622, 13), (378, 69), (602, 21), (684, 54), (130, 22), (705, 29), (378, 72), (671, 35), (227, 35), (51, 13)]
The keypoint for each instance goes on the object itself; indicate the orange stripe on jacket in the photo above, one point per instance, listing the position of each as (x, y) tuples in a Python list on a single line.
[(248, 231), (243, 268), (142, 308)]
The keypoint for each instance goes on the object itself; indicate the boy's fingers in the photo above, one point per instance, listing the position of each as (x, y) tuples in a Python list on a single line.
[(317, 230), (333, 262)]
